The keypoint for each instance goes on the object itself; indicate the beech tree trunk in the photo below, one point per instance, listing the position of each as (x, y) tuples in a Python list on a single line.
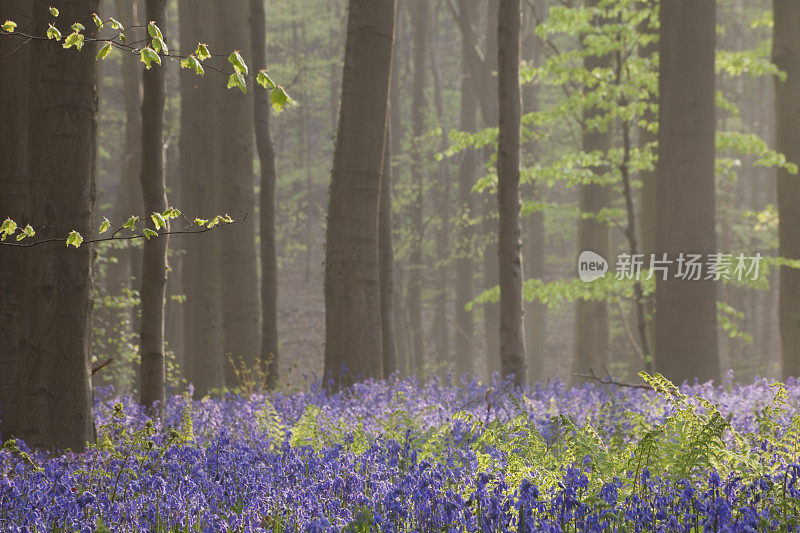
[(386, 262), (786, 54), (241, 306), (419, 18), (512, 336), (686, 311), (199, 198), (55, 406), (465, 322), (266, 156), (154, 195), (533, 241), (13, 203), (591, 316), (353, 341), (491, 275)]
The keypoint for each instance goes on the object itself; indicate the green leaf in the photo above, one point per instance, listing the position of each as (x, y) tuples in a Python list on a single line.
[(158, 221), (149, 233), (9, 26), (153, 30), (29, 231), (74, 39), (122, 38), (97, 21), (53, 11), (115, 24), (103, 53), (171, 213), (264, 80), (53, 33), (200, 221), (78, 27), (236, 60), (131, 222), (279, 98), (237, 80), (148, 56), (75, 239), (202, 52), (21, 236), (8, 227), (192, 63), (105, 225), (160, 46)]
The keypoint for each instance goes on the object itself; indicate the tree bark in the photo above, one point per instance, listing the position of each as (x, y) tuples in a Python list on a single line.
[(14, 193), (55, 408), (686, 312), (154, 195), (786, 54), (241, 307), (591, 316), (386, 262), (202, 311), (353, 339), (266, 156), (533, 236), (465, 322), (419, 18), (512, 336)]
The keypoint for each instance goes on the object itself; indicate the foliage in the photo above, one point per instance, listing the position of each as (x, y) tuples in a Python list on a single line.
[(410, 456)]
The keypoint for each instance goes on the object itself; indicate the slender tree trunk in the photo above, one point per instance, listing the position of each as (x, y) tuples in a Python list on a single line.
[(786, 54), (419, 23), (491, 275), (154, 194), (533, 236), (129, 193), (465, 322), (386, 262), (591, 316), (241, 308), (14, 204), (55, 407), (686, 311), (199, 198), (512, 335), (353, 341), (266, 155)]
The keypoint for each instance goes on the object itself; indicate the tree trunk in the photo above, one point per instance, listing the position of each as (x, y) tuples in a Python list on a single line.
[(686, 312), (465, 322), (14, 193), (154, 195), (534, 237), (353, 339), (419, 23), (199, 198), (491, 275), (591, 316), (124, 275), (512, 336), (241, 307), (786, 54), (386, 262), (266, 156), (55, 408)]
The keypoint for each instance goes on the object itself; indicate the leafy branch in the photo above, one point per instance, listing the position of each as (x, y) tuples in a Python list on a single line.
[(154, 51), (11, 234)]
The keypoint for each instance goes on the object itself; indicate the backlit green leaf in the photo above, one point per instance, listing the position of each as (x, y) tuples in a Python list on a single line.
[(202, 52), (236, 60), (237, 80), (105, 225), (149, 233), (97, 21), (264, 80), (53, 33), (148, 56), (75, 239), (9, 226), (9, 26), (104, 51), (53, 11)]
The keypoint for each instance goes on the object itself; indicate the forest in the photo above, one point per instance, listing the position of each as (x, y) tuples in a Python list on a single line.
[(399, 265)]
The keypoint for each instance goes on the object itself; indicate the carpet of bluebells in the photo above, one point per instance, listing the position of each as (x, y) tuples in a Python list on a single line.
[(435, 456)]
